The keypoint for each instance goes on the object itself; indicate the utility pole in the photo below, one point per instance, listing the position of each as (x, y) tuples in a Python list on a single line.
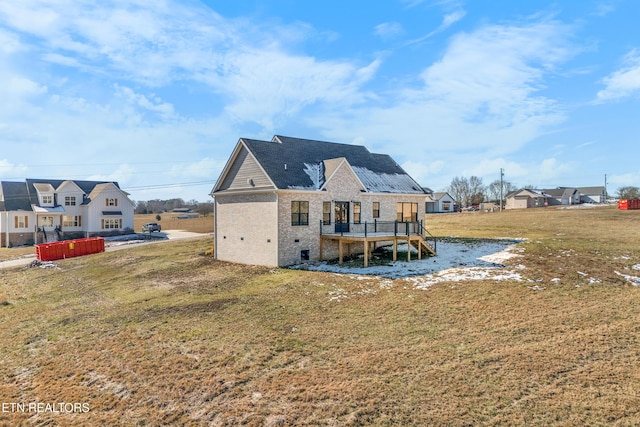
[(606, 197), (501, 188)]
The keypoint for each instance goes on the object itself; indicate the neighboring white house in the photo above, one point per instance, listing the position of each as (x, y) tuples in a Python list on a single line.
[(45, 210), (439, 202), (593, 194), (274, 200), (562, 196)]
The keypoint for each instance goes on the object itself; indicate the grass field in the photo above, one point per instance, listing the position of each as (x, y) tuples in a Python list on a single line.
[(164, 335), (170, 221)]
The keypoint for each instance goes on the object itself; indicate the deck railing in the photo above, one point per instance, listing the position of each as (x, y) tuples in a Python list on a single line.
[(391, 228)]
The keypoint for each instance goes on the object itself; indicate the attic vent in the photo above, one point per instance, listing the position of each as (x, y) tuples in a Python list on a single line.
[(250, 182)]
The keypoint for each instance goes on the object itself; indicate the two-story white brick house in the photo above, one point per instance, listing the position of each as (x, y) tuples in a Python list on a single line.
[(290, 200), (41, 210)]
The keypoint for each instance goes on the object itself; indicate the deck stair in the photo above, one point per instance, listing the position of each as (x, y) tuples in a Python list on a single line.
[(423, 246)]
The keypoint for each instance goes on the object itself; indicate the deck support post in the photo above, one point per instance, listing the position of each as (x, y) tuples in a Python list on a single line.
[(366, 253), (395, 249)]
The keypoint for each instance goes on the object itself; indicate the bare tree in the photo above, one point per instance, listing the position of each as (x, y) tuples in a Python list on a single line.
[(494, 190), (476, 191), (629, 193), (459, 190)]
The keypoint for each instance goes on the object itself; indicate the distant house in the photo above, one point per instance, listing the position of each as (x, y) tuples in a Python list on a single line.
[(45, 210), (291, 200), (562, 196), (439, 202), (593, 194), (526, 198)]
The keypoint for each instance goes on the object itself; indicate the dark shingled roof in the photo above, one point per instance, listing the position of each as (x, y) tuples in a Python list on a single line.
[(14, 196), (21, 195), (287, 161)]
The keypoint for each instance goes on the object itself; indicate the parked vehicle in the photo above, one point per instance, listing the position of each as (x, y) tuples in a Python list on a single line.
[(151, 227)]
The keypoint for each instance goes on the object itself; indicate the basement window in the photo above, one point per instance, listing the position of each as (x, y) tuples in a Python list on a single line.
[(304, 255)]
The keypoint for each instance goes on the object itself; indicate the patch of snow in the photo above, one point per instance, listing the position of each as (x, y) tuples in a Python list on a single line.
[(315, 171), (461, 275), (633, 280), (583, 206), (386, 183), (536, 288), (636, 267), (451, 255), (555, 280)]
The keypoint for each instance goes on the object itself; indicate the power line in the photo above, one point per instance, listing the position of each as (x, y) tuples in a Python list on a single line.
[(182, 184)]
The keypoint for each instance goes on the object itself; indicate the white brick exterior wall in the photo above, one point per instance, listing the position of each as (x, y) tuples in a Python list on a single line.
[(246, 228)]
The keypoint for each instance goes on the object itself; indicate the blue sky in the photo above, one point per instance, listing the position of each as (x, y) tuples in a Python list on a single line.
[(155, 95)]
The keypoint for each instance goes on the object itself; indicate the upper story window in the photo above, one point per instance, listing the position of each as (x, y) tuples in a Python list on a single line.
[(299, 213), (357, 213), (112, 202), (376, 209), (47, 199), (326, 213), (407, 212), (69, 200)]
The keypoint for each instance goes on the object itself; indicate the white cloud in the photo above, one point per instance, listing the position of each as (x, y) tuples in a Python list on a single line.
[(24, 87), (448, 20), (155, 104), (388, 30), (9, 170), (481, 96), (624, 82)]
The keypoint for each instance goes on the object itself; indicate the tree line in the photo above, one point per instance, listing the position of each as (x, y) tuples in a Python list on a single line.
[(157, 206), (472, 191)]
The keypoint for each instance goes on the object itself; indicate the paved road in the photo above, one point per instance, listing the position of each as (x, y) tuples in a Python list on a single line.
[(115, 245)]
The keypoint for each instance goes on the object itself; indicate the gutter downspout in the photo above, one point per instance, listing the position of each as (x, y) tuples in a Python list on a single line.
[(215, 227)]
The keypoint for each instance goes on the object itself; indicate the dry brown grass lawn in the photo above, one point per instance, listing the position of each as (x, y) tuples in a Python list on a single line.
[(163, 335), (170, 221)]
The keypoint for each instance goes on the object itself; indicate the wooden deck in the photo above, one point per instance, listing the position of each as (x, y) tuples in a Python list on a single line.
[(369, 240)]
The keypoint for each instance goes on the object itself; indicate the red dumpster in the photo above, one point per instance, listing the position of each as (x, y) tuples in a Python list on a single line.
[(69, 248), (629, 204)]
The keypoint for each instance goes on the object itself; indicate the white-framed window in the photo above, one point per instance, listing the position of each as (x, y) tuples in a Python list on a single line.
[(21, 221), (111, 223), (47, 199), (71, 221), (69, 200), (46, 221), (111, 202)]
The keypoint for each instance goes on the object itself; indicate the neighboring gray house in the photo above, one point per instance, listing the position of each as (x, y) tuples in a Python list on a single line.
[(439, 202), (526, 198), (593, 194), (289, 200), (46, 210), (562, 196)]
